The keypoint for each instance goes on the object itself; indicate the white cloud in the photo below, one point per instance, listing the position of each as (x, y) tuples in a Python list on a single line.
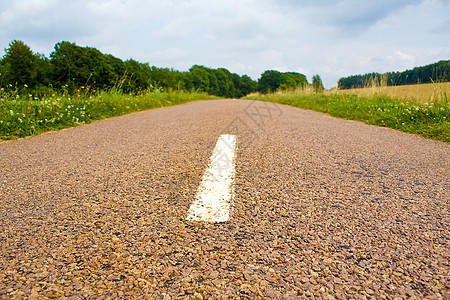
[(409, 59)]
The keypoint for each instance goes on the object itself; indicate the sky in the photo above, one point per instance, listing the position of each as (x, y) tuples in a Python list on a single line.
[(333, 39)]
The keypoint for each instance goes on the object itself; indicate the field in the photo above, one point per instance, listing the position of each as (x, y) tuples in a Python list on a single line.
[(429, 119), (426, 93), (23, 114)]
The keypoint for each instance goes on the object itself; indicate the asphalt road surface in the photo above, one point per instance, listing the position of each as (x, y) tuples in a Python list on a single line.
[(322, 207)]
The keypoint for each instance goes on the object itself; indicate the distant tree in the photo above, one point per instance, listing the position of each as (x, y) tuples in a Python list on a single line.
[(76, 66), (226, 84), (239, 87), (437, 72), (317, 84), (249, 85), (71, 66), (42, 70), (67, 68), (139, 75), (200, 77), (115, 71), (19, 62), (270, 81), (2, 73), (187, 82), (213, 88), (294, 80), (167, 78)]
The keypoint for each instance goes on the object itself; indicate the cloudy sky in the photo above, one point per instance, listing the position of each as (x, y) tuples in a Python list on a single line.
[(330, 38)]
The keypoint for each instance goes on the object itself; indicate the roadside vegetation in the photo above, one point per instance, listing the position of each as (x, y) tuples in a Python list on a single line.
[(427, 92), (78, 85), (23, 114), (430, 119)]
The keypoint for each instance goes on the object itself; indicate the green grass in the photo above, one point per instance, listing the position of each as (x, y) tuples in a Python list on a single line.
[(23, 114), (431, 120)]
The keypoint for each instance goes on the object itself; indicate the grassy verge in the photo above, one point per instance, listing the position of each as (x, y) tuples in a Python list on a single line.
[(23, 114), (431, 120)]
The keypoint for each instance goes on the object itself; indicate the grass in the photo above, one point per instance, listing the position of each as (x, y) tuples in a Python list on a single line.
[(429, 92), (23, 114), (429, 119)]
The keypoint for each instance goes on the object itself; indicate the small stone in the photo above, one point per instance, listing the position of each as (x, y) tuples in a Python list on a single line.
[(304, 279), (248, 276), (113, 278), (272, 294), (214, 274)]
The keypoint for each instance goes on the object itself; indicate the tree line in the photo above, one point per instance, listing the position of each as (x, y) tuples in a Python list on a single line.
[(71, 66), (437, 72)]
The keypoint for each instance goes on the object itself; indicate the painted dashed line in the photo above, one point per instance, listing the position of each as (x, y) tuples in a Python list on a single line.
[(215, 194)]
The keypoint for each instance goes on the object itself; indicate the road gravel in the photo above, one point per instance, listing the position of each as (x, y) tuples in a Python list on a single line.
[(323, 208)]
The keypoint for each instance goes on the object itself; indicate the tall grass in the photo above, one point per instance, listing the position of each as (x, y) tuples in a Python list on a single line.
[(23, 114), (427, 92), (431, 120)]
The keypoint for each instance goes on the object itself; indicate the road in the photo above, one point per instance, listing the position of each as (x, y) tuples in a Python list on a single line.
[(323, 207)]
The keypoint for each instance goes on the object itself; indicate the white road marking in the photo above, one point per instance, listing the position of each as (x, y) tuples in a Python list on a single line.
[(215, 194)]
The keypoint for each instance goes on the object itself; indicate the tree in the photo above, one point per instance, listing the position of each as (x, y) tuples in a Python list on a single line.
[(71, 66), (294, 80), (249, 85), (225, 82), (19, 62), (317, 84), (139, 75), (213, 88), (42, 70), (2, 72), (67, 69), (270, 81), (437, 72), (199, 77), (78, 66), (116, 70)]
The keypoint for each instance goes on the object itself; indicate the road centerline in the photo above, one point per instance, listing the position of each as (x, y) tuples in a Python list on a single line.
[(215, 194)]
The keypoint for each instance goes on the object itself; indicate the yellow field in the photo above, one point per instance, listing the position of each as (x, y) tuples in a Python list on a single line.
[(429, 92)]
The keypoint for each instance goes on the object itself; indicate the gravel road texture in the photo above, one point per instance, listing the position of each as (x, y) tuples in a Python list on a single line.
[(323, 208)]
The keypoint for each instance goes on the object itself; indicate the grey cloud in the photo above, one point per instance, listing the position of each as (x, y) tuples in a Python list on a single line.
[(347, 17), (366, 13)]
